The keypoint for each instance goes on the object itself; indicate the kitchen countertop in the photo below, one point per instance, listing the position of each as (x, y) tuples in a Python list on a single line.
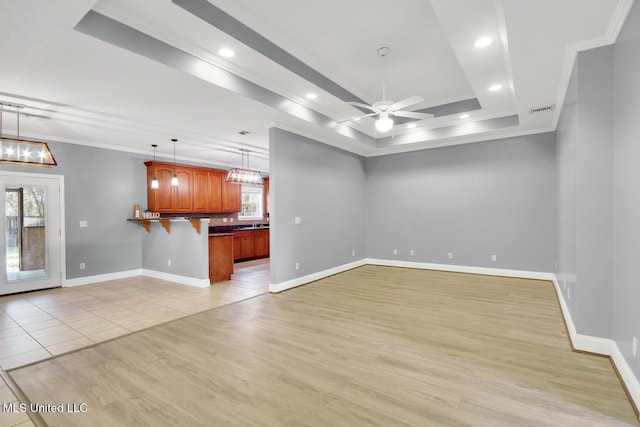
[(220, 234), (232, 228)]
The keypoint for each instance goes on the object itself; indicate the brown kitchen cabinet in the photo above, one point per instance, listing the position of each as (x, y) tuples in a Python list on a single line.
[(249, 244), (261, 243), (207, 190), (231, 196), (266, 195), (243, 242), (200, 190), (220, 257), (168, 198)]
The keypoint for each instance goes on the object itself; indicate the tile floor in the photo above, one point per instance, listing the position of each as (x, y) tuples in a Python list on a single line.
[(11, 419), (38, 325)]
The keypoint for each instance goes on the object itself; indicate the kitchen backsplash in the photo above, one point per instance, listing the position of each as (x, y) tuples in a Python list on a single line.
[(216, 220)]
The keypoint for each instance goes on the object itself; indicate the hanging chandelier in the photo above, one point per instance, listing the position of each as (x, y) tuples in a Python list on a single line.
[(22, 151), (244, 175)]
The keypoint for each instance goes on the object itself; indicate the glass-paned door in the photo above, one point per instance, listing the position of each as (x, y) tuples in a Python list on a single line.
[(30, 233)]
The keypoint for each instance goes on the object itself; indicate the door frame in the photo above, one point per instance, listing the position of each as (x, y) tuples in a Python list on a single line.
[(63, 246)]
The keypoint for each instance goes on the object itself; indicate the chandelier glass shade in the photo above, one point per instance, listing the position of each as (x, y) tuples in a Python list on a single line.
[(244, 175), (21, 151)]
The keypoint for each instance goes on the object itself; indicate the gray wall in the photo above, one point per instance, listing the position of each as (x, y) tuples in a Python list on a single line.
[(101, 187), (187, 250), (474, 200), (324, 186), (598, 181), (626, 193), (585, 193)]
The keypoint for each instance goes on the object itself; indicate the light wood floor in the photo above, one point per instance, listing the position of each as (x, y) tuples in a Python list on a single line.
[(375, 346), (37, 325)]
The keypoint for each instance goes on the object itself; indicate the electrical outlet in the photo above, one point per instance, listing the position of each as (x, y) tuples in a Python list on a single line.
[(297, 220), (224, 219), (450, 255), (230, 219), (569, 293), (555, 266), (353, 253), (84, 224), (494, 258), (169, 262), (395, 252), (82, 266), (297, 266), (634, 347), (411, 253)]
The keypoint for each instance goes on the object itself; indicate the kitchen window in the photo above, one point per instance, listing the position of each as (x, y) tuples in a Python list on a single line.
[(252, 202)]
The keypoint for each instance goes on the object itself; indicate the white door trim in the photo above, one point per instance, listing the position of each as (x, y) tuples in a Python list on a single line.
[(63, 245)]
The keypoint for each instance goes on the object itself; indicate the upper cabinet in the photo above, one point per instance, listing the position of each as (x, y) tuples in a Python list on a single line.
[(231, 196), (199, 190), (266, 195)]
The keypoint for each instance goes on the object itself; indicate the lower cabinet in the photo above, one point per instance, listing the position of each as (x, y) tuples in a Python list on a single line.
[(220, 258), (248, 244), (243, 245), (261, 243)]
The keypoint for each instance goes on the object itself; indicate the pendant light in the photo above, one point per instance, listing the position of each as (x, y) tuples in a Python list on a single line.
[(154, 182), (22, 151), (174, 179), (244, 176)]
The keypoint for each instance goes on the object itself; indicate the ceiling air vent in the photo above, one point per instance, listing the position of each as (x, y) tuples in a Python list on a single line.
[(544, 108)]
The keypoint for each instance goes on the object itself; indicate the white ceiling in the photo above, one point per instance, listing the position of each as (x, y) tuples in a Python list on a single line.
[(79, 87)]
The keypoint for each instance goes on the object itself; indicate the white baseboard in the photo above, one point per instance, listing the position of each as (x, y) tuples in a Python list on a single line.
[(68, 283), (463, 269), (283, 286), (629, 379), (603, 346), (183, 280), (580, 342)]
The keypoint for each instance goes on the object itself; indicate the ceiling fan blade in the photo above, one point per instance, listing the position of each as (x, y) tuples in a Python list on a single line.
[(361, 105), (413, 115), (355, 119), (406, 102)]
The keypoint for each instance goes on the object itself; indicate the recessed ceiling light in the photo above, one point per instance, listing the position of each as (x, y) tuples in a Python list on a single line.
[(483, 42), (463, 116), (495, 87), (311, 95), (226, 52), (411, 125)]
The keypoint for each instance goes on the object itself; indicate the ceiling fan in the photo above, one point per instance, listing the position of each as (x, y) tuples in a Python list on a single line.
[(385, 109)]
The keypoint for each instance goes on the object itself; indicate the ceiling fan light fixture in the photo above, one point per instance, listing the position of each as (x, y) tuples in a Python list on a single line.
[(384, 122)]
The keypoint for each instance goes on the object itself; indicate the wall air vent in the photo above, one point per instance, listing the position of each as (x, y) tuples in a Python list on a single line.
[(544, 108)]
